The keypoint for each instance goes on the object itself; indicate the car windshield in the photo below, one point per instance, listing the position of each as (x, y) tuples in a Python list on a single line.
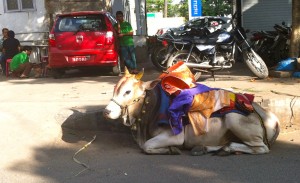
[(196, 23), (202, 22), (81, 23)]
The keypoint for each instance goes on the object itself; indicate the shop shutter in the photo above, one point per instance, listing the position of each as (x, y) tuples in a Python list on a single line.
[(263, 14)]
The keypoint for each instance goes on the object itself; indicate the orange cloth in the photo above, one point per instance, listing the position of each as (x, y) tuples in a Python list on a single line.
[(204, 105), (177, 78)]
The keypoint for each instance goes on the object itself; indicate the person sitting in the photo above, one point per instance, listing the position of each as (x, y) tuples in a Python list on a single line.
[(20, 65), (5, 36), (11, 47)]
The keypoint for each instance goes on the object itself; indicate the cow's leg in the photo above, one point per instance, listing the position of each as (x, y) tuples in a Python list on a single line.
[(249, 130), (164, 143), (237, 147)]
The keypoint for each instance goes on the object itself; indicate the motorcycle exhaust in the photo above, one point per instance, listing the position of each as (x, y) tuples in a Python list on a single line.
[(206, 66)]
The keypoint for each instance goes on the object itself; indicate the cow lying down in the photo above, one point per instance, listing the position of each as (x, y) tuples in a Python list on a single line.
[(139, 104)]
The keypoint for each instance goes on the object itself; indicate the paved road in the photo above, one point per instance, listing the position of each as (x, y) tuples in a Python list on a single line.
[(35, 147)]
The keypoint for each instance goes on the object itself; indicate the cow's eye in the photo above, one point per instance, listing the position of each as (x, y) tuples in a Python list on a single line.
[(128, 92)]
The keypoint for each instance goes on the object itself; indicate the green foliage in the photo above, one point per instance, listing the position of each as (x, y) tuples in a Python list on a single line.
[(209, 7), (216, 7), (158, 5)]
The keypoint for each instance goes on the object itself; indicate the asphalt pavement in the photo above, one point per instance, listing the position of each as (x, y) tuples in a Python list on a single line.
[(45, 121)]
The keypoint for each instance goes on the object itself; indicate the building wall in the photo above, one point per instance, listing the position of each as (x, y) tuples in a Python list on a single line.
[(25, 22), (263, 14)]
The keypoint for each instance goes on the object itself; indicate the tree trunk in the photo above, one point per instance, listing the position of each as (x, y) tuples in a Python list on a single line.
[(166, 9), (295, 37)]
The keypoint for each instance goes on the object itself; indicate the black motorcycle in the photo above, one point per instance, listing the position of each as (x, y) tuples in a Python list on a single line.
[(210, 52), (272, 46), (167, 45)]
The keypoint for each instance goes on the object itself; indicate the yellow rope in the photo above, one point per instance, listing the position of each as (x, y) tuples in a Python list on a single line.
[(83, 164)]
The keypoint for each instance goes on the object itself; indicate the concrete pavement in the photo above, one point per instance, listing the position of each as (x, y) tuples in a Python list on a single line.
[(35, 147)]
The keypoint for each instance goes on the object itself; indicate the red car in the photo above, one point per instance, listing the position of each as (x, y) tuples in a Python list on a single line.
[(84, 39)]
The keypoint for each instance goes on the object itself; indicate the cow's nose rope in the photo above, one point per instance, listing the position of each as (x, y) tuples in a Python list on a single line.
[(125, 112), (117, 103)]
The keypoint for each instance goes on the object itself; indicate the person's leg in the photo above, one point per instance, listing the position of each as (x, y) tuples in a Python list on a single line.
[(126, 57), (27, 69), (122, 62), (133, 58), (1, 61), (3, 64), (18, 72)]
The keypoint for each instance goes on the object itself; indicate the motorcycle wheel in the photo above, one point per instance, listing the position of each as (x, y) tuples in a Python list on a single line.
[(256, 64), (265, 54), (158, 56), (182, 56)]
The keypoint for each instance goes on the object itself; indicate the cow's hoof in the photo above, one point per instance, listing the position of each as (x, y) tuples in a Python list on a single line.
[(174, 151), (199, 151), (223, 152)]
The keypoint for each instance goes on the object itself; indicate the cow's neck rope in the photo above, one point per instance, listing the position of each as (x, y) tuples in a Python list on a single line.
[(125, 111), (145, 97)]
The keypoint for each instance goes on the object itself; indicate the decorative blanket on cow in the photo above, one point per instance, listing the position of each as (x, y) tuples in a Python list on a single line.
[(201, 103), (197, 101)]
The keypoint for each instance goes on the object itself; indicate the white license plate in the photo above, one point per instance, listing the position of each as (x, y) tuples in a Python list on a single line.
[(80, 58)]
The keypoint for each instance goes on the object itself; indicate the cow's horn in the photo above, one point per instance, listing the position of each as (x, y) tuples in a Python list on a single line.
[(139, 75), (126, 71)]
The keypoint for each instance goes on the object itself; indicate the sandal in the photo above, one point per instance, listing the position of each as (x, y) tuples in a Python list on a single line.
[(24, 76)]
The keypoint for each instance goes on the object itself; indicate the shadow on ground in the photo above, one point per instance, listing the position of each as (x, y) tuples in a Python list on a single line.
[(114, 157)]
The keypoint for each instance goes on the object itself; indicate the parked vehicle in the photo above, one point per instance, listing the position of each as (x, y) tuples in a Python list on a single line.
[(272, 46), (212, 22), (164, 48), (83, 40), (215, 51)]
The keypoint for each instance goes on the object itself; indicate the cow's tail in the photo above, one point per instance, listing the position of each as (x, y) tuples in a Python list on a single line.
[(270, 121)]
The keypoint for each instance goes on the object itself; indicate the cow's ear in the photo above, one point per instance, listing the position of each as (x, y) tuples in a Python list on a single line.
[(139, 75), (126, 71), (149, 85)]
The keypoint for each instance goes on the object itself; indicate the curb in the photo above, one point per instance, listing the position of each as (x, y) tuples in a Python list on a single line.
[(93, 120), (286, 109)]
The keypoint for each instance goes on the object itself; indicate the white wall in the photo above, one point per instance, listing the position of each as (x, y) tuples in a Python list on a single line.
[(25, 22), (153, 24), (29, 27)]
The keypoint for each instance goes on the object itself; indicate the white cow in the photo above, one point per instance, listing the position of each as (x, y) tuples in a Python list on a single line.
[(137, 103)]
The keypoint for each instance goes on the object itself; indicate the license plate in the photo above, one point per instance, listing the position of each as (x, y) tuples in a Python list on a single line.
[(80, 58)]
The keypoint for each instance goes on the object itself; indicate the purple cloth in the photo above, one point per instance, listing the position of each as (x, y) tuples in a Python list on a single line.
[(182, 103)]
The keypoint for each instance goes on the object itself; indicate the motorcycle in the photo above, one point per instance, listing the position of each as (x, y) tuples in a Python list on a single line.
[(261, 38), (166, 47), (272, 46), (210, 52)]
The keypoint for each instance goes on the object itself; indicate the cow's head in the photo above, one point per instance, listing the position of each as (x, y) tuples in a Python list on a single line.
[(128, 97)]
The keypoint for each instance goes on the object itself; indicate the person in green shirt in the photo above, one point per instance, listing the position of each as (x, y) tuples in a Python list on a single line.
[(125, 34), (20, 65)]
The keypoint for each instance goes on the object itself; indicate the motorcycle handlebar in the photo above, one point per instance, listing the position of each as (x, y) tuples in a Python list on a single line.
[(282, 29)]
